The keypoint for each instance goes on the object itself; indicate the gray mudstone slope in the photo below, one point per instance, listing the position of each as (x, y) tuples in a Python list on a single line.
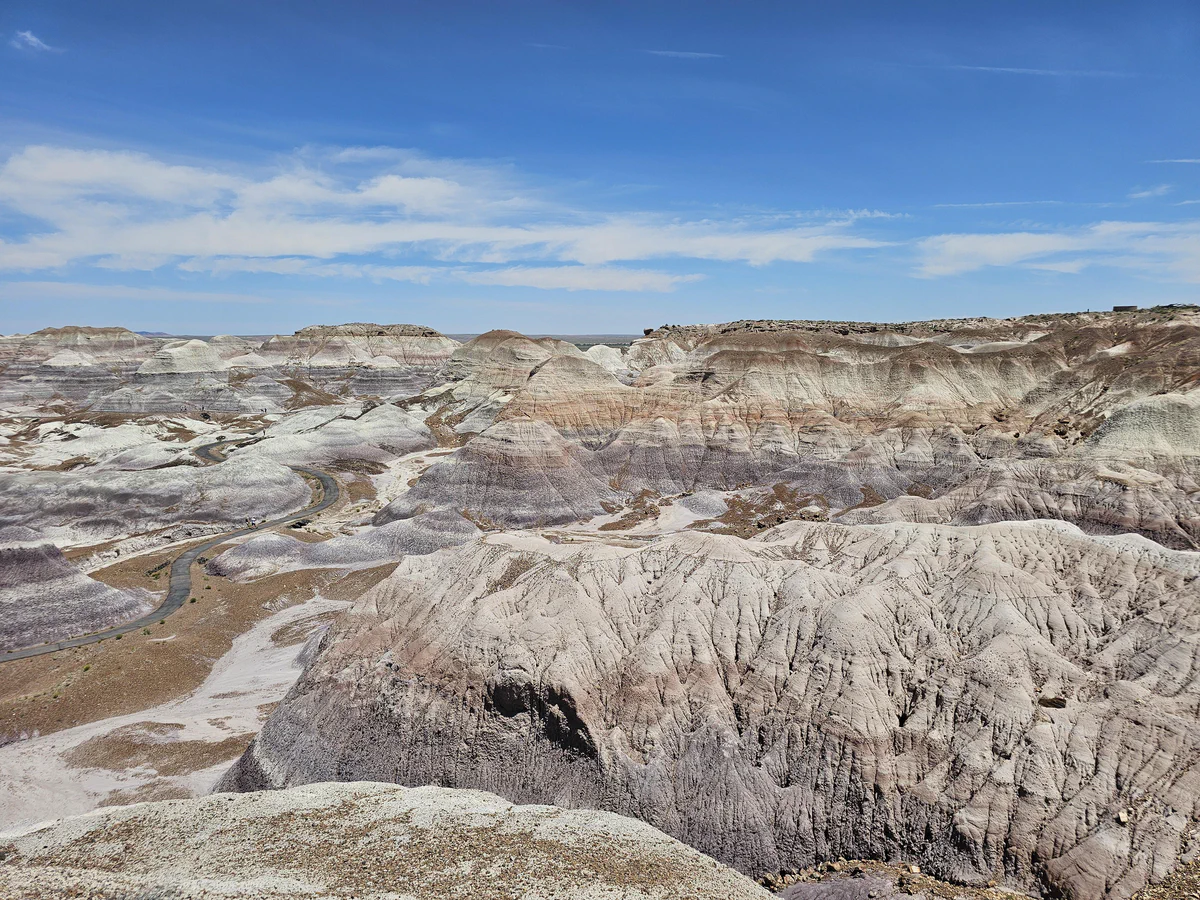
[(44, 598), (1017, 701)]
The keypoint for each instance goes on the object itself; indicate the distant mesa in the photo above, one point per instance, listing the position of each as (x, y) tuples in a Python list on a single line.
[(369, 329)]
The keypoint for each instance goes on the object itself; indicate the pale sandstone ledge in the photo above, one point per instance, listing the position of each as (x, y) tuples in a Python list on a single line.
[(359, 840)]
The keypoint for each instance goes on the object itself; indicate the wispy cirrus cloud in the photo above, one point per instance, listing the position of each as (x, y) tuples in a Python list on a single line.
[(993, 203), (1162, 250), (32, 291), (366, 213), (27, 40), (685, 54), (581, 278), (1186, 161), (1159, 190), (1051, 73)]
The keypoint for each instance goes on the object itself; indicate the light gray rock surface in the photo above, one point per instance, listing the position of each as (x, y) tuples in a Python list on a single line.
[(1015, 701)]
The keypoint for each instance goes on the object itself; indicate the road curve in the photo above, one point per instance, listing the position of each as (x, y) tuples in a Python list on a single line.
[(181, 568)]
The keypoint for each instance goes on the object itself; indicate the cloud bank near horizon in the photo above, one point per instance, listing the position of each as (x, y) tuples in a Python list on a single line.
[(393, 215), (356, 212)]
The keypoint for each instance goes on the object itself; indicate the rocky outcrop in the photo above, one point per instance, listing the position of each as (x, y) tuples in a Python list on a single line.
[(73, 363), (110, 345), (519, 472), (379, 360), (360, 840), (44, 598), (182, 358), (1015, 701), (89, 506)]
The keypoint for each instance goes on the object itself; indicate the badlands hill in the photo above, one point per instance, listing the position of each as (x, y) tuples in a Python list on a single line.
[(1014, 701), (361, 840), (116, 370), (44, 598), (901, 662), (787, 591), (1091, 422)]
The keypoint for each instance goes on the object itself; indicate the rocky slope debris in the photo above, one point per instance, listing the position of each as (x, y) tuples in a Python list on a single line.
[(363, 840)]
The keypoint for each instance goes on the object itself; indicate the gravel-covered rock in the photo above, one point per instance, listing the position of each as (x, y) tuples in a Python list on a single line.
[(362, 840)]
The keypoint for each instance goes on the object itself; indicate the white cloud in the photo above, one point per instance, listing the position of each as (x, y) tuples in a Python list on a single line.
[(27, 40), (1054, 73), (293, 265), (130, 211), (388, 215), (1156, 191), (1168, 250), (571, 278), (580, 278), (997, 203), (685, 54), (67, 290), (1191, 161)]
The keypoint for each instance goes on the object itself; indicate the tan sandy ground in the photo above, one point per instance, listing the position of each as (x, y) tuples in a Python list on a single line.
[(179, 747), (115, 677)]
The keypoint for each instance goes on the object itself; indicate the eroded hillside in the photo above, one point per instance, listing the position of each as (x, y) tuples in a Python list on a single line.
[(788, 591)]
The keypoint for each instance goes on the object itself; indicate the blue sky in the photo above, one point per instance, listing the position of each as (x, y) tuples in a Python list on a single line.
[(601, 167)]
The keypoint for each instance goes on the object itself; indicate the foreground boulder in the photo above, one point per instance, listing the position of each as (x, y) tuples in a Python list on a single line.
[(360, 840), (1014, 702)]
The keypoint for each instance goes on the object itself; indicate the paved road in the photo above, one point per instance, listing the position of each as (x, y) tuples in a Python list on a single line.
[(181, 569)]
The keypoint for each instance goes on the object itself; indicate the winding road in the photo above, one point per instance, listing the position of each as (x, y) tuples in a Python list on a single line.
[(181, 568)]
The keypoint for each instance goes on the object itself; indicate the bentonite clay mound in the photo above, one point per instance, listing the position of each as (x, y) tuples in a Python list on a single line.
[(358, 840), (44, 598), (1015, 702)]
